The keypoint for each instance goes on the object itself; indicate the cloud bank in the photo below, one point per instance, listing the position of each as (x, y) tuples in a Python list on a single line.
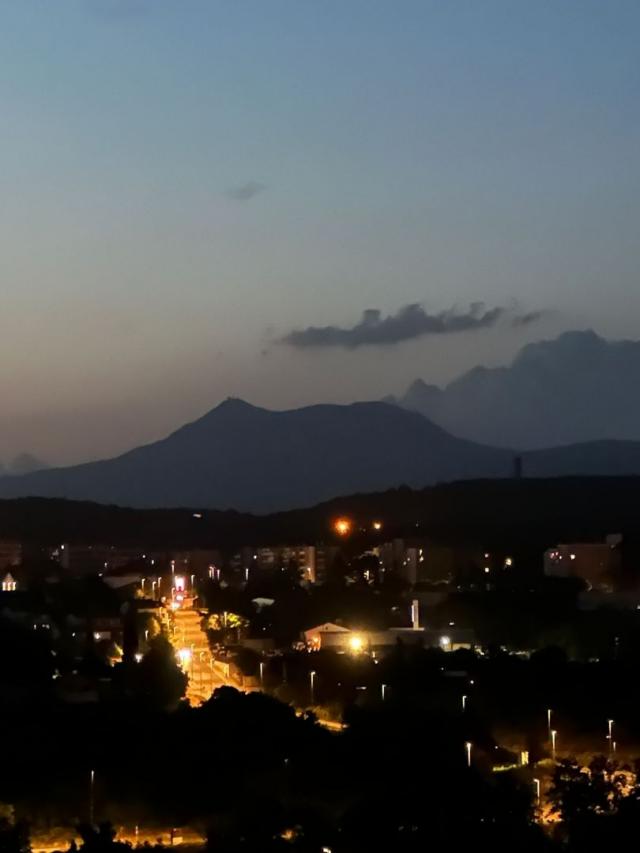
[(408, 323)]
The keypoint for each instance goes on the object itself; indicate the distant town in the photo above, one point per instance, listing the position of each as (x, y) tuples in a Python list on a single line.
[(282, 660)]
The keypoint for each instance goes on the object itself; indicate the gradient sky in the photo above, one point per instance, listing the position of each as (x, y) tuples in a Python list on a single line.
[(184, 182)]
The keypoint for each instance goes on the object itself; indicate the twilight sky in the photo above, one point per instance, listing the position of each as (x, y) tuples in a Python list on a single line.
[(201, 198)]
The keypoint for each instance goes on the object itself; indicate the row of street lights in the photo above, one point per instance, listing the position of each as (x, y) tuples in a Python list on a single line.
[(553, 734), (384, 688), (553, 737)]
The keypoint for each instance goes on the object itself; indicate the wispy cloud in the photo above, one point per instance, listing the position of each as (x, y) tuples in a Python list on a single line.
[(245, 192), (408, 323), (527, 319)]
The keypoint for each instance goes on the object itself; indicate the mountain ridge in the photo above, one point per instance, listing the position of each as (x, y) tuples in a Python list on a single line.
[(250, 459), (247, 458)]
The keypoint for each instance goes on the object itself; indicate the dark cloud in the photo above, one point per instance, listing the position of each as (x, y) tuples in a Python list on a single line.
[(245, 192), (410, 322), (521, 320)]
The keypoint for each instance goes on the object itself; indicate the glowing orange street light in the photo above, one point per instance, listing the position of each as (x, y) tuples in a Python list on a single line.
[(342, 526), (377, 525)]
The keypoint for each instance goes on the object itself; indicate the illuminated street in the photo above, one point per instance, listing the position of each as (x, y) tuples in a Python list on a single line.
[(192, 648)]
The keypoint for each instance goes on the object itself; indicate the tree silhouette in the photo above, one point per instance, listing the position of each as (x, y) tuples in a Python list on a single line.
[(101, 839), (158, 680), (14, 838)]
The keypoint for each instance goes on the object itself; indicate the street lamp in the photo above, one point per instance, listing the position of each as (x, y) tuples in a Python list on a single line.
[(549, 722), (464, 703), (312, 684), (536, 782), (262, 674), (554, 735), (92, 779), (467, 747), (383, 690)]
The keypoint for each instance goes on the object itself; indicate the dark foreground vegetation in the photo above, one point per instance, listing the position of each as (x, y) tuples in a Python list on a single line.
[(254, 773)]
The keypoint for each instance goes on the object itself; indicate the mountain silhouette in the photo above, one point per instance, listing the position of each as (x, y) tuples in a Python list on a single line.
[(576, 388), (25, 463), (250, 459), (246, 458)]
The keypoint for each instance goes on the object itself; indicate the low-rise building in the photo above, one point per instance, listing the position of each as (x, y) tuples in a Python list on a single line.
[(330, 635), (596, 563)]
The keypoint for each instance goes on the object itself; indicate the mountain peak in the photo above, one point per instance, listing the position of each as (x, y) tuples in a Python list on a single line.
[(234, 404), (232, 407), (253, 459), (25, 463)]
